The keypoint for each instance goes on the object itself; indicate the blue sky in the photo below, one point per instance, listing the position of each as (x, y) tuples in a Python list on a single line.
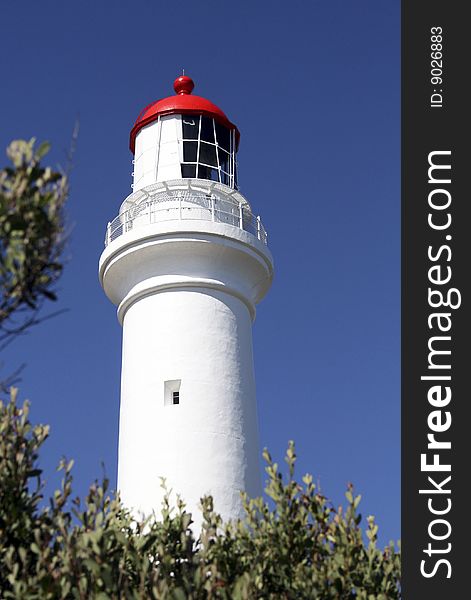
[(314, 89)]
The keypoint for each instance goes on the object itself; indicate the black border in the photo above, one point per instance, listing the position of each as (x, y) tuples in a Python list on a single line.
[(425, 129)]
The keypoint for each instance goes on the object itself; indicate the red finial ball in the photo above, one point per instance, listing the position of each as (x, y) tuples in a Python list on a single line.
[(183, 85)]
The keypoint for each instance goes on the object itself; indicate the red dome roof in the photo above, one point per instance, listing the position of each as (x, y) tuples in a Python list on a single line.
[(183, 103)]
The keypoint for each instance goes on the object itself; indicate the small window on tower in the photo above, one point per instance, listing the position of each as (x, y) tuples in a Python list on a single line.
[(172, 392)]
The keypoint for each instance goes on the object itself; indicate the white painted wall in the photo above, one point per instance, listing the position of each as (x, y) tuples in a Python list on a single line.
[(186, 293), (157, 155), (209, 442)]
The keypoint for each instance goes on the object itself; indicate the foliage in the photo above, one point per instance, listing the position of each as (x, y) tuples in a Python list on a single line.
[(31, 235), (294, 546)]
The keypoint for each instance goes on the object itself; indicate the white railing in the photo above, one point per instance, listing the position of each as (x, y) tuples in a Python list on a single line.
[(156, 206)]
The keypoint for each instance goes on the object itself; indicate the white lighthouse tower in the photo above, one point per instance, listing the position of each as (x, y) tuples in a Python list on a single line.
[(186, 262)]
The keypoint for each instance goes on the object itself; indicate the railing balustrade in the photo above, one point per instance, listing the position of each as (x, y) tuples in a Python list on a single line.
[(182, 205)]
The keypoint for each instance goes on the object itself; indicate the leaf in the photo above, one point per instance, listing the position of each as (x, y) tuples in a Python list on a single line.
[(42, 150)]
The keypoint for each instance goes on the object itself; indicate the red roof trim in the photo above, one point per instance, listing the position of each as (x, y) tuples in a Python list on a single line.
[(184, 103), (153, 117)]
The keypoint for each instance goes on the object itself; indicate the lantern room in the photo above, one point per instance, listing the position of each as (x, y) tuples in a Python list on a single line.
[(184, 136)]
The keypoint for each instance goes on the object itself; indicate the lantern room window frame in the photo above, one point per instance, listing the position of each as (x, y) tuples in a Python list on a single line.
[(224, 168)]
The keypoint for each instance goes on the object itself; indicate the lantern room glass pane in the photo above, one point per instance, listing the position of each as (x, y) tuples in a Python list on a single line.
[(190, 151), (208, 154), (207, 130), (208, 173), (223, 137), (208, 150), (223, 159), (190, 127), (189, 171)]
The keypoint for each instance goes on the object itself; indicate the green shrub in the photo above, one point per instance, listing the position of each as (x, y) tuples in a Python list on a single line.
[(31, 235), (294, 546)]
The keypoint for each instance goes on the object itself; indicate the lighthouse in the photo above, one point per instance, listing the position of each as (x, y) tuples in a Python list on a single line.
[(186, 262)]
